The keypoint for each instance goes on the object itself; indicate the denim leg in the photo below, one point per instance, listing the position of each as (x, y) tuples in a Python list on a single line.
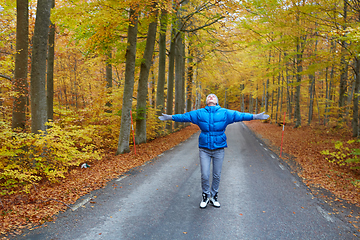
[(218, 158), (205, 160)]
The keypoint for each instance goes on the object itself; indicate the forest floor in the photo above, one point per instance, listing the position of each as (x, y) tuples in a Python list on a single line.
[(336, 185)]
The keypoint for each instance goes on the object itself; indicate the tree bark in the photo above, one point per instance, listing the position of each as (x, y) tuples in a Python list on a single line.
[(355, 119), (171, 75), (38, 67), (299, 68), (189, 84), (311, 96), (160, 96), (21, 65), (143, 79), (50, 70), (123, 144), (343, 71), (109, 80), (179, 81)]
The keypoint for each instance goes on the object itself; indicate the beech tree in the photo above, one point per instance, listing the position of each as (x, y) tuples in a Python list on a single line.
[(109, 80), (50, 69), (160, 99), (123, 143), (38, 66), (21, 64), (144, 75)]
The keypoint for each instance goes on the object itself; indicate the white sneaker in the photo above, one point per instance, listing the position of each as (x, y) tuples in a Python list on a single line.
[(214, 201), (204, 201)]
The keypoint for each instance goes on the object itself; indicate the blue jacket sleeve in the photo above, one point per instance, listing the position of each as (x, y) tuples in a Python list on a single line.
[(186, 117), (236, 116)]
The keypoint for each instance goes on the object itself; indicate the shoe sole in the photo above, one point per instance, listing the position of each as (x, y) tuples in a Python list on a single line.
[(214, 205)]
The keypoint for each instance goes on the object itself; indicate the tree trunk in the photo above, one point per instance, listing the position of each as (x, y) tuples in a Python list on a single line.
[(311, 96), (190, 74), (327, 94), (343, 84), (299, 68), (160, 99), (281, 93), (152, 85), (38, 67), (256, 101), (50, 70), (171, 73), (242, 99), (289, 95), (21, 63), (343, 71), (198, 89), (288, 105), (278, 99), (251, 103), (109, 80), (355, 120), (267, 96), (179, 98), (123, 144), (143, 79)]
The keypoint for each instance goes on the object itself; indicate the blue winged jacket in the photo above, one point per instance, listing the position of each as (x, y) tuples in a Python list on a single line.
[(212, 121)]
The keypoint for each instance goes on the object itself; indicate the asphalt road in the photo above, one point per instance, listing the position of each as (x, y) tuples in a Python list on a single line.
[(260, 199)]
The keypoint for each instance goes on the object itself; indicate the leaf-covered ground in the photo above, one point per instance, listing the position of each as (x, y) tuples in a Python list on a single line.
[(301, 150), (336, 185), (46, 200)]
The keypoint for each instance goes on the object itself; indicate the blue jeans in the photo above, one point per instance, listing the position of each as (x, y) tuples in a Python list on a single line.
[(206, 156)]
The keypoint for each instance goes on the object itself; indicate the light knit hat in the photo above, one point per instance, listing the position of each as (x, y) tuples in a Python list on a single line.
[(216, 99)]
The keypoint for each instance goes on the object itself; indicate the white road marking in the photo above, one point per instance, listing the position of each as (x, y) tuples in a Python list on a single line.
[(282, 167), (80, 204), (325, 214), (272, 156), (295, 182), (121, 178)]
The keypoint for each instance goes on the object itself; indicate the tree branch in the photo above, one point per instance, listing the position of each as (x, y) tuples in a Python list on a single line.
[(206, 25), (5, 76)]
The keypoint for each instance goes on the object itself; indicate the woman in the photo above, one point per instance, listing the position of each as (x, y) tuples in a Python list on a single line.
[(212, 121)]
